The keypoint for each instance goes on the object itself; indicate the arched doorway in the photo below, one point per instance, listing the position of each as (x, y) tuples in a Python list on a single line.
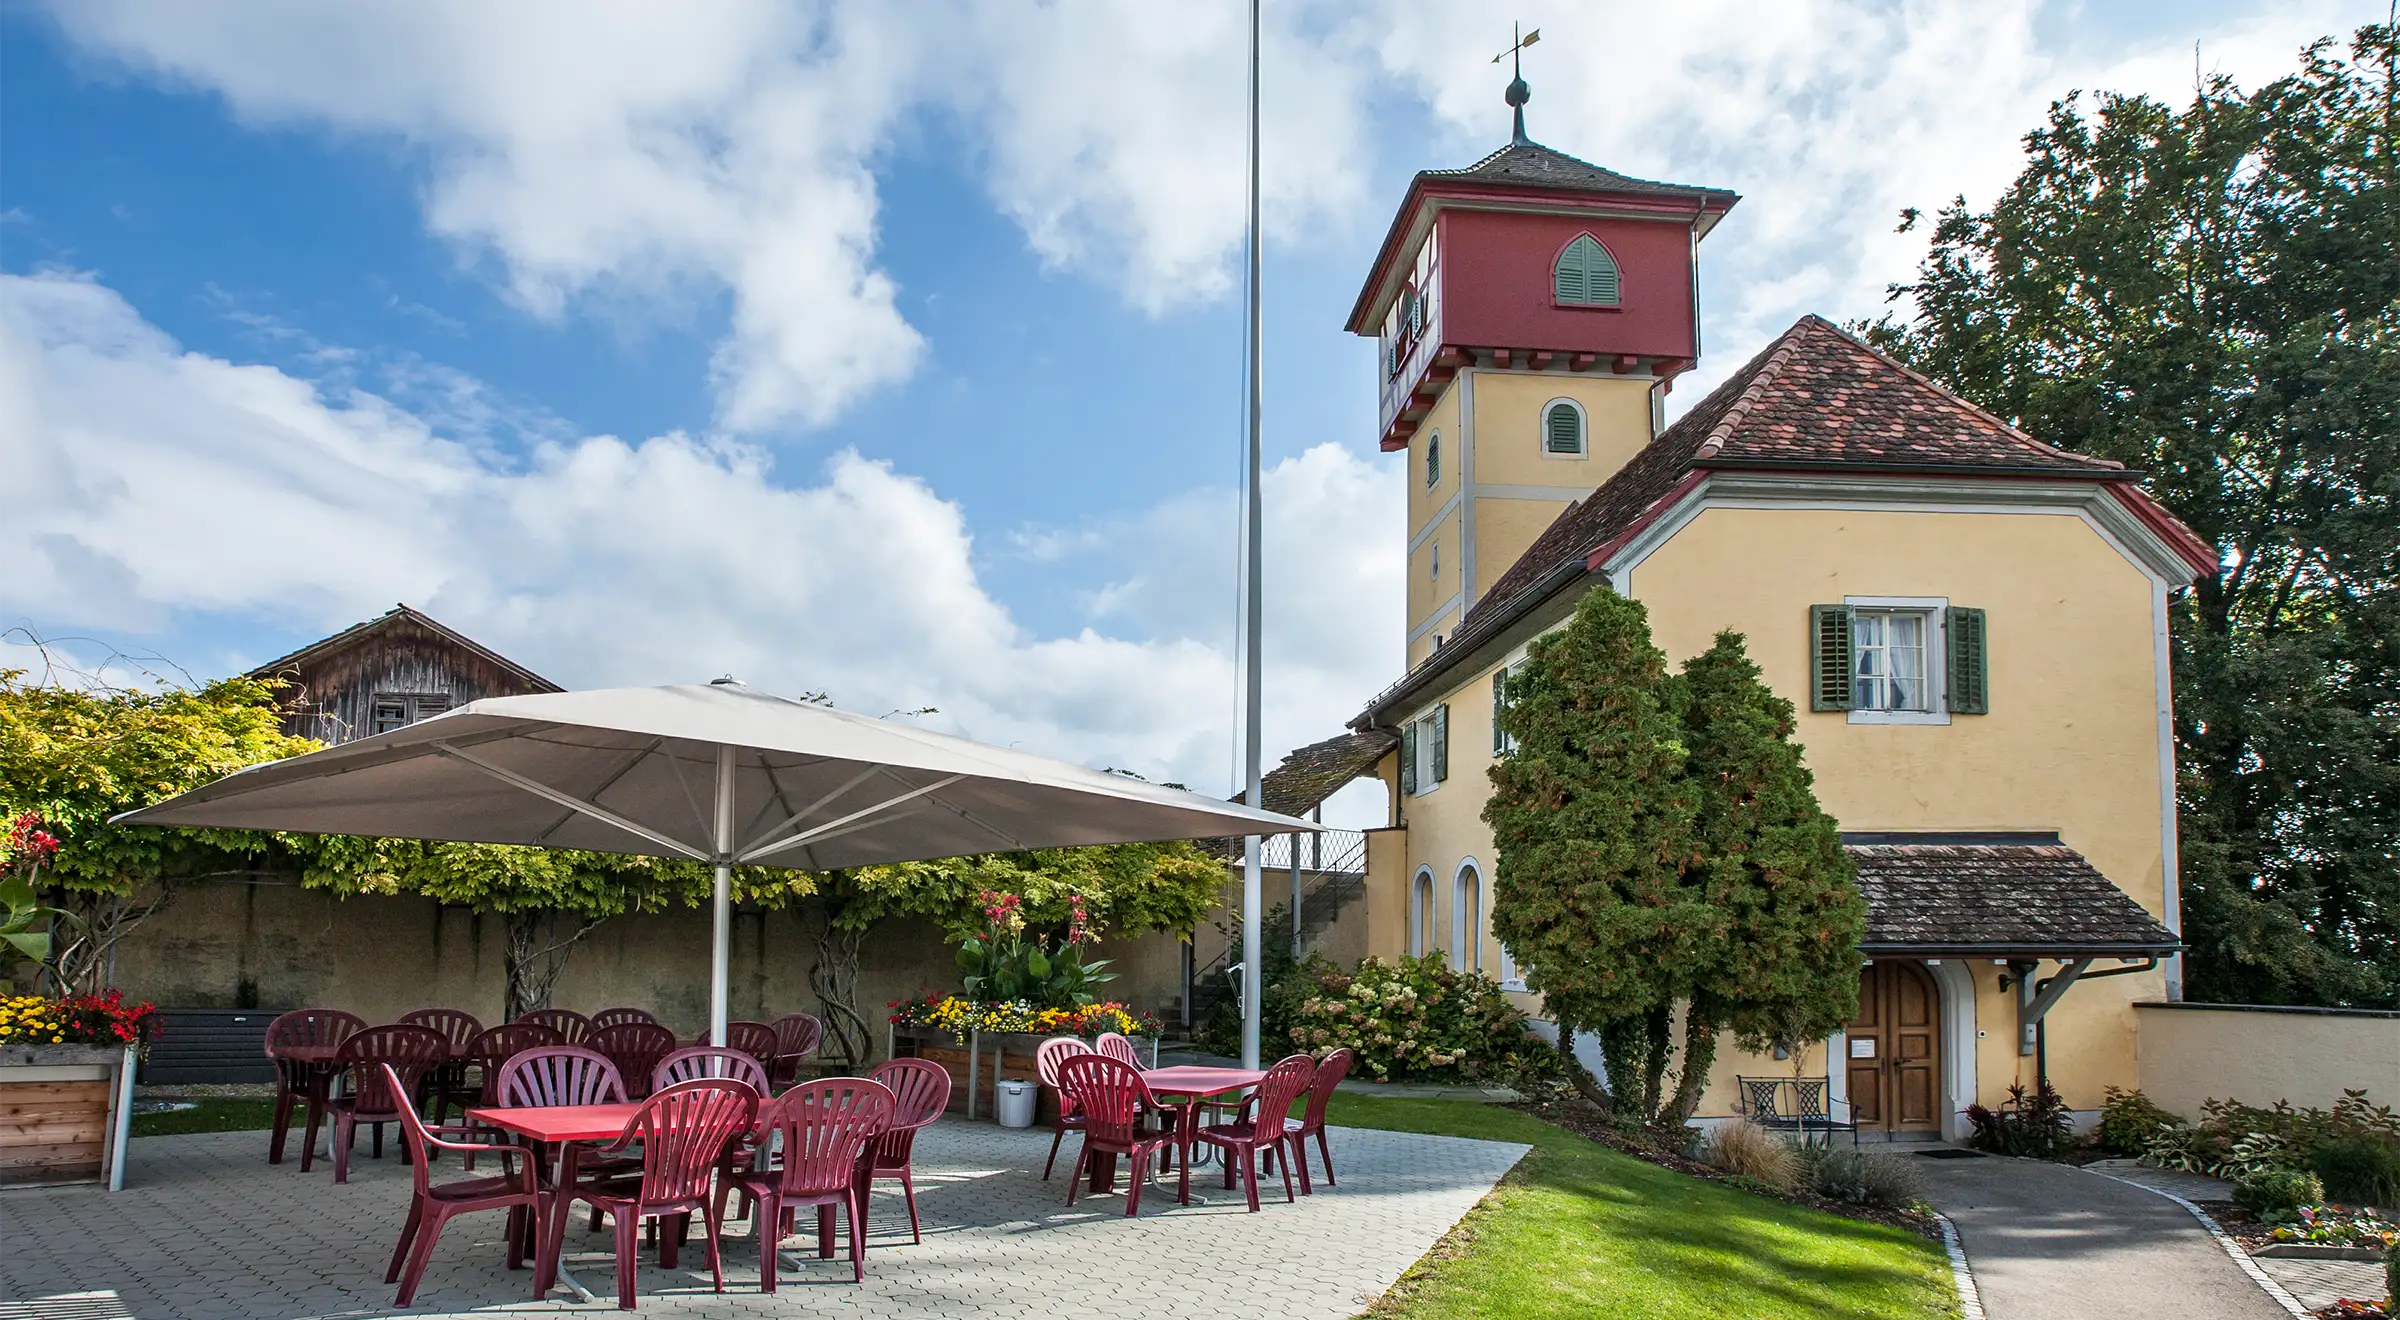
[(1894, 1047)]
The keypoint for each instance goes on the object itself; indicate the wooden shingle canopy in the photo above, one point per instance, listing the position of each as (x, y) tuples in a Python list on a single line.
[(1311, 774), (2011, 896)]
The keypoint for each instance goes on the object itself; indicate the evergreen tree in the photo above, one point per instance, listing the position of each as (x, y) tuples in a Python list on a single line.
[(1593, 820), (1785, 965)]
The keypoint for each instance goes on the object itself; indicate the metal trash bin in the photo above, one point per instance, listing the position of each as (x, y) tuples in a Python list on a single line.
[(1015, 1103)]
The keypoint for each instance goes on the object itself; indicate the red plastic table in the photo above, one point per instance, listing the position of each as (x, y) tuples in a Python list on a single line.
[(560, 1127), (1190, 1080)]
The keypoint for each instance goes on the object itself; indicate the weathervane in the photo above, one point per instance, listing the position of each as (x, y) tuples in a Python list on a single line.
[(1518, 92)]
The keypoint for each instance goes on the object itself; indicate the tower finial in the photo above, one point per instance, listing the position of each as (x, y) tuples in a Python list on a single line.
[(1518, 92)]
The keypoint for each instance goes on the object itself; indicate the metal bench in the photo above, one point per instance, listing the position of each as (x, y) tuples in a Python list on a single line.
[(1792, 1104)]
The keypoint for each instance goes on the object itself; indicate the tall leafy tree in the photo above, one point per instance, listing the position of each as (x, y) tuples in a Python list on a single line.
[(1593, 819), (2212, 295), (1784, 966)]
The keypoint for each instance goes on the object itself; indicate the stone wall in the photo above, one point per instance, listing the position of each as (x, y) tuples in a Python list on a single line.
[(278, 946)]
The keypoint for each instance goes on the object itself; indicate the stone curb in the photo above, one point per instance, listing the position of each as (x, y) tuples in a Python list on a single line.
[(2281, 1295), (1970, 1301)]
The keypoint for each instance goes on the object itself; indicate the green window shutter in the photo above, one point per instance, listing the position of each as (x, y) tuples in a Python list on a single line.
[(1586, 274), (1441, 743), (1499, 708), (1968, 684), (1562, 430), (1829, 659), (1408, 757)]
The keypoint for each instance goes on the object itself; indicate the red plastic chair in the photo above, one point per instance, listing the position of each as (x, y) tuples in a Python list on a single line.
[(921, 1091), (1296, 1131), (448, 1082), (755, 1039), (306, 1081), (636, 1048), (617, 1017), (550, 1075), (693, 1062), (797, 1036), (1112, 1098), (514, 1190), (824, 1162), (495, 1047), (682, 1131), (1119, 1048), (1263, 1131), (367, 1056), (570, 1025), (1047, 1056)]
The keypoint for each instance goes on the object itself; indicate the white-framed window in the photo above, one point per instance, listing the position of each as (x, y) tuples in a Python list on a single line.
[(1563, 429), (1425, 751), (1466, 918), (1420, 913), (1512, 977), (1897, 659), (1433, 460)]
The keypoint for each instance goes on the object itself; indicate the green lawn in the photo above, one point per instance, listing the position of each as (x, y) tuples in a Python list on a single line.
[(210, 1116), (1578, 1230)]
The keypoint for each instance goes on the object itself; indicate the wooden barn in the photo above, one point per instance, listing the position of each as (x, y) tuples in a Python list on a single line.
[(390, 672)]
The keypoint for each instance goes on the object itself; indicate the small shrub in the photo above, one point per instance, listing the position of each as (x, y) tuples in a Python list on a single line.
[(2178, 1148), (1746, 1150), (1859, 1177), (2034, 1124), (2277, 1193), (2129, 1122), (2359, 1170), (2391, 1273)]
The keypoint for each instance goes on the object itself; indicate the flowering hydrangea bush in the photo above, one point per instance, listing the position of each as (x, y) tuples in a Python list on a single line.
[(103, 1019), (1419, 1020)]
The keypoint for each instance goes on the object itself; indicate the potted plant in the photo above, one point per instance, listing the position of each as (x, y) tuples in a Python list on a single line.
[(66, 1063)]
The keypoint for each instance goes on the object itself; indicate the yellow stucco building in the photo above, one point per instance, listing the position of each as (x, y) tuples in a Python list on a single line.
[(1972, 625)]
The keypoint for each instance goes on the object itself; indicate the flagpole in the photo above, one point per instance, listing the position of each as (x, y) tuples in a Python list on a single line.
[(1252, 538)]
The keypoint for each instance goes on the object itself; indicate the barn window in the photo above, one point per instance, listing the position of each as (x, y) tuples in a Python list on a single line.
[(1586, 275), (398, 710)]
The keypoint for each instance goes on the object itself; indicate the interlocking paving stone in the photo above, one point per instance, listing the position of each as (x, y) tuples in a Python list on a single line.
[(2323, 1282), (208, 1230)]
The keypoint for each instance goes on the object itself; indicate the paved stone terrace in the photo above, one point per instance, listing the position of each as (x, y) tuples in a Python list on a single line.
[(207, 1230)]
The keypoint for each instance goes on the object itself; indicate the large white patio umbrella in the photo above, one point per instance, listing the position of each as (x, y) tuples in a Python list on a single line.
[(721, 773)]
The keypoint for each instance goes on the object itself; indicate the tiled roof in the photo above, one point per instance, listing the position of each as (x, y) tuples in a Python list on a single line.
[(1814, 398), (1532, 165), (1311, 774), (2008, 898)]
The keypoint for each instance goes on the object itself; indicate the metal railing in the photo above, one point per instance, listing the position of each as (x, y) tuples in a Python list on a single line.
[(1342, 851)]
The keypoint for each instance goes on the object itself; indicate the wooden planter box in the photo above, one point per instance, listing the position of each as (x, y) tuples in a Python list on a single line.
[(65, 1111)]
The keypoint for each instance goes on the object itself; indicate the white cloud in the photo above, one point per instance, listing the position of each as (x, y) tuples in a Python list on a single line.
[(150, 485)]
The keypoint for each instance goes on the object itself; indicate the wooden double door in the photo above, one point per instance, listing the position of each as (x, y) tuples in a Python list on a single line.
[(1895, 1050)]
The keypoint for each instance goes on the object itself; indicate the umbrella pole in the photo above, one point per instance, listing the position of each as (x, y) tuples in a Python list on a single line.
[(720, 950), (1252, 537)]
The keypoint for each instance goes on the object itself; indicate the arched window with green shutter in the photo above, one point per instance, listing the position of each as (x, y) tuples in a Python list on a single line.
[(1562, 429), (1586, 275)]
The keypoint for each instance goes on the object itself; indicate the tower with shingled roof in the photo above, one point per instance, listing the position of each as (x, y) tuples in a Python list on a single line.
[(1531, 310)]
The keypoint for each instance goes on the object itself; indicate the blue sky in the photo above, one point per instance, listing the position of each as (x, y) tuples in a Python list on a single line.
[(886, 350)]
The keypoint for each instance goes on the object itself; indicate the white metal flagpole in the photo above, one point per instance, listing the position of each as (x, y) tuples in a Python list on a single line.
[(1251, 689), (720, 950)]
